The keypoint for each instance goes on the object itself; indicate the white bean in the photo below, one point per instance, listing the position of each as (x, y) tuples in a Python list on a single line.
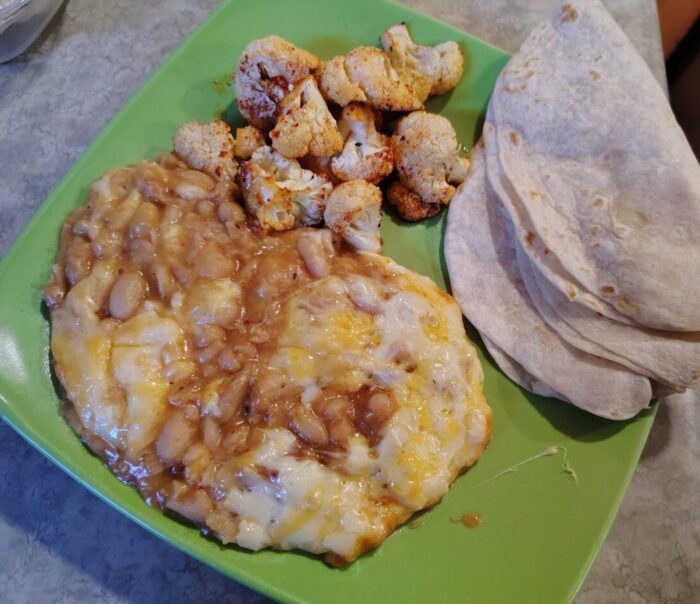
[(306, 425), (192, 504), (232, 397), (211, 433), (231, 212), (316, 250), (144, 220), (174, 438), (126, 296)]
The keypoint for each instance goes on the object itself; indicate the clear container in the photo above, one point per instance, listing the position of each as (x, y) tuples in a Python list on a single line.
[(21, 22)]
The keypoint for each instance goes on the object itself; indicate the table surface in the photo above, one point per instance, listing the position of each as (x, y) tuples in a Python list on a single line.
[(62, 544)]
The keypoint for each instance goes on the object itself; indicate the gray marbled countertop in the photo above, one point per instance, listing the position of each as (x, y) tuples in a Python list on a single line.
[(59, 543)]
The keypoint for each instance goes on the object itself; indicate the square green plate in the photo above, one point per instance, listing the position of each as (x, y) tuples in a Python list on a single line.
[(539, 532)]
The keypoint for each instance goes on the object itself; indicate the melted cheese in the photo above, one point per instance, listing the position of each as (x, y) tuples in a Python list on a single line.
[(307, 506), (171, 390), (408, 340), (411, 342), (137, 364), (82, 350)]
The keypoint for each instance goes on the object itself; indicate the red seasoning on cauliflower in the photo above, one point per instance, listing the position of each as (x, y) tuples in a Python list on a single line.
[(207, 147), (427, 70), (353, 211), (427, 159), (280, 194), (335, 84), (365, 74), (367, 153), (266, 72), (408, 203), (248, 139), (305, 126)]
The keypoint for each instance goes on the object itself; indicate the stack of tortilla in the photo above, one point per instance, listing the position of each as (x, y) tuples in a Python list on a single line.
[(574, 244)]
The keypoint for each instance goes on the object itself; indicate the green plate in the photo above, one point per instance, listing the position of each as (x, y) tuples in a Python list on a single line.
[(539, 532)]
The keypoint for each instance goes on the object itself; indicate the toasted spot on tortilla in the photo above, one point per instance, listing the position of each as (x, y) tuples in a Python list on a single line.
[(594, 74), (568, 13), (621, 230), (607, 290), (514, 138), (625, 305), (529, 238)]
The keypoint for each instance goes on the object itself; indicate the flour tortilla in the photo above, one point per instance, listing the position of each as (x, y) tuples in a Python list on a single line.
[(486, 282), (600, 167), (549, 314), (525, 234), (516, 372), (672, 358)]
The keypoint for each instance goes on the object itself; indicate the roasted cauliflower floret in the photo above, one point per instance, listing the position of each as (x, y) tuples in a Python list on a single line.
[(451, 67), (305, 126), (408, 204), (368, 71), (367, 154), (266, 72), (427, 70), (335, 84), (427, 158), (319, 165), (248, 139), (207, 147), (280, 194), (353, 211)]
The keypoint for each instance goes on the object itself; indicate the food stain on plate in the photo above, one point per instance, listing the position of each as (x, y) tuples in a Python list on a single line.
[(222, 84), (468, 520)]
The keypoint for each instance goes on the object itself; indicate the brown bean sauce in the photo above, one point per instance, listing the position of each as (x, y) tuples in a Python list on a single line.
[(171, 229)]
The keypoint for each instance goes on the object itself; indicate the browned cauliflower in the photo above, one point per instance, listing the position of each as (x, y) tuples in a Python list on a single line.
[(353, 211), (408, 204), (319, 165), (427, 158), (266, 72), (427, 70), (368, 71), (451, 67), (367, 154), (305, 126), (335, 84), (207, 147), (248, 139), (280, 194)]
